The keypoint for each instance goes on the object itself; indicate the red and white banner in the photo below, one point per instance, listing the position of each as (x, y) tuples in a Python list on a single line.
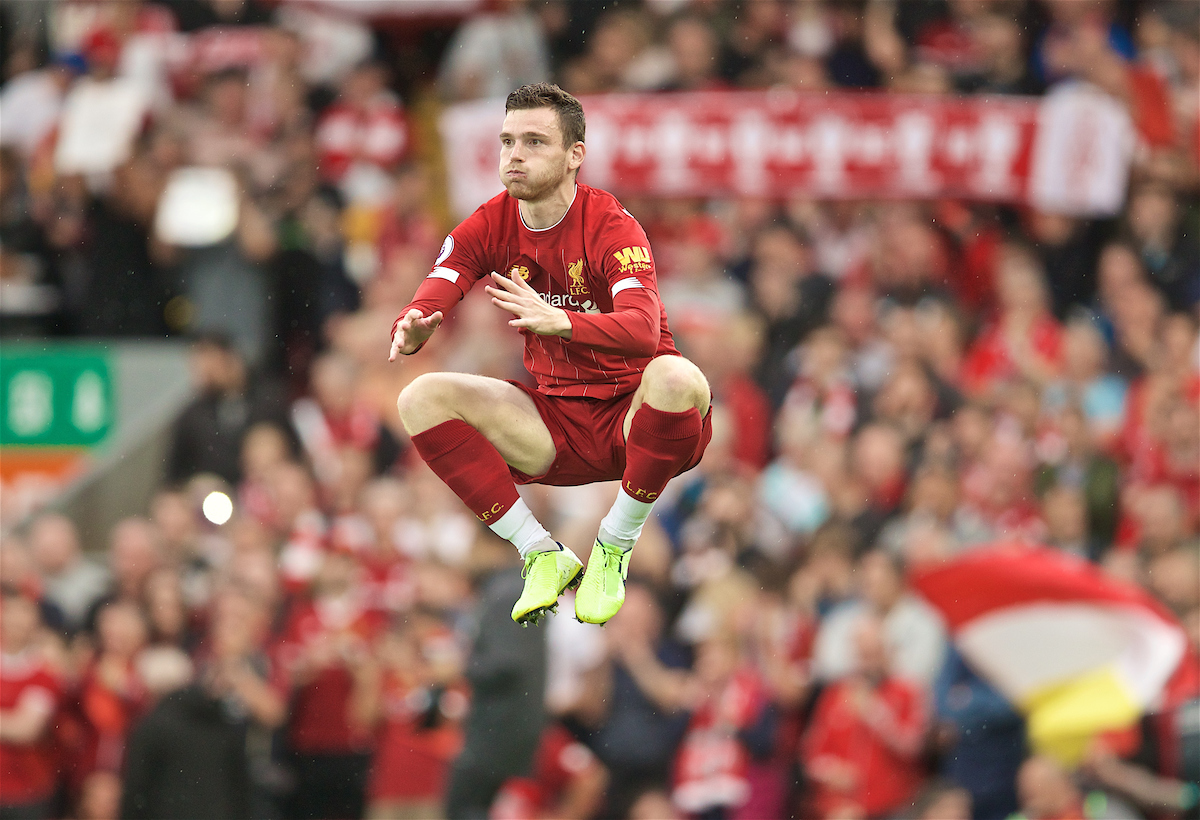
[(1068, 152)]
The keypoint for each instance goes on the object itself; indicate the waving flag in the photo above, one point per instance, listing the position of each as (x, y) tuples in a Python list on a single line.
[(1077, 651)]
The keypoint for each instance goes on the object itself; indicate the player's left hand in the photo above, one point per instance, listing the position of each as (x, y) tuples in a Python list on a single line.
[(533, 313)]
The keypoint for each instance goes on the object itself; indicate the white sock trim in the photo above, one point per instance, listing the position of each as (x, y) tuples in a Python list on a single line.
[(622, 527), (519, 526)]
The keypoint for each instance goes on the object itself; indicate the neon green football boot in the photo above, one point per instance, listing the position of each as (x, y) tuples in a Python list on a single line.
[(603, 588), (546, 575)]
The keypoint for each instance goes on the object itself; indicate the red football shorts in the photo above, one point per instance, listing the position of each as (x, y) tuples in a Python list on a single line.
[(589, 438)]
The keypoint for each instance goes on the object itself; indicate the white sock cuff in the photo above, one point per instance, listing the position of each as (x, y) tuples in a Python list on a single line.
[(624, 522), (519, 526)]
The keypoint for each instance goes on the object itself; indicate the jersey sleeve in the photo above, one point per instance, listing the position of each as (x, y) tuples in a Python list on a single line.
[(627, 266), (632, 329), (462, 259), (459, 265)]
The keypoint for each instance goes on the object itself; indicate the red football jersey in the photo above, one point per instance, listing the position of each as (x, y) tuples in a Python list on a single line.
[(595, 263), (28, 771)]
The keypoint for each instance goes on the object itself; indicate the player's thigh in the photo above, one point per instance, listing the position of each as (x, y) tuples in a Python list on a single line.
[(503, 413)]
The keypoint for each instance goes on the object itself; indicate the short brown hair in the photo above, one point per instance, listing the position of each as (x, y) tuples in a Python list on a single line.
[(548, 95)]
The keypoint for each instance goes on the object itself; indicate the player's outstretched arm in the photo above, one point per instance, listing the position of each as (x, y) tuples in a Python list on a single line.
[(531, 311), (412, 330)]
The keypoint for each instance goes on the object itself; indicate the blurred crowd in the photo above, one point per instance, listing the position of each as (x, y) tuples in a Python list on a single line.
[(894, 382)]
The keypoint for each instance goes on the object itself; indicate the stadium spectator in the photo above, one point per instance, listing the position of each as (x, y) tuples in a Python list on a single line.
[(186, 758), (637, 738), (999, 66), (219, 131), (1168, 248), (915, 638), (18, 572), (1066, 522), (30, 695), (209, 433), (1085, 467), (363, 135), (791, 298), (839, 337), (73, 581), (1067, 246), (862, 747), (695, 56), (1047, 792), (334, 419), (1084, 381), (506, 669), (979, 737), (205, 13), (32, 102), (123, 288), (237, 668), (134, 552), (418, 710), (167, 616), (618, 56), (567, 781), (405, 227), (112, 695), (943, 801), (324, 653), (495, 52), (731, 727), (1025, 340)]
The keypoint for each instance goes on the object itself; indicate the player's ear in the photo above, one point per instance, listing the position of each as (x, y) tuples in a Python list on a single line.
[(575, 155)]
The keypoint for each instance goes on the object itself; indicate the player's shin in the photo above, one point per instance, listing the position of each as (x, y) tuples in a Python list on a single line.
[(470, 466), (660, 444), (463, 458)]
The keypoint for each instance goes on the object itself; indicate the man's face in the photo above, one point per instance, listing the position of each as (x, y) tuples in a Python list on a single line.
[(533, 159), (18, 621)]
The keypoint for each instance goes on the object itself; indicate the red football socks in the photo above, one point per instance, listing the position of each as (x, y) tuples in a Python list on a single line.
[(471, 466), (659, 445)]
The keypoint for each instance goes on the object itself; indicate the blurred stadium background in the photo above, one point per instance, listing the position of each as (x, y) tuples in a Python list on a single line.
[(940, 260)]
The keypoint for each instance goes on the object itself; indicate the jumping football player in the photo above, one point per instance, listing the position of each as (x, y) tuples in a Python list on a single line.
[(614, 398)]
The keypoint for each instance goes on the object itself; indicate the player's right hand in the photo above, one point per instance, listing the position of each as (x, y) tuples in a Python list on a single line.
[(412, 331)]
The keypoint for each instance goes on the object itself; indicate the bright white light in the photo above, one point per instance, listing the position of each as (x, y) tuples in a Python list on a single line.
[(217, 508)]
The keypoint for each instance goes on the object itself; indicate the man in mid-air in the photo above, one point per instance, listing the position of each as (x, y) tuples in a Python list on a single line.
[(614, 398)]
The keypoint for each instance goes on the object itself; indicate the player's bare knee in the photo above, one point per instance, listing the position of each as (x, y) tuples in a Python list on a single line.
[(423, 403), (407, 404), (675, 384)]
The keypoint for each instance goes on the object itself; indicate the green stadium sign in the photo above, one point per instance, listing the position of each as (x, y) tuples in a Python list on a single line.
[(56, 397)]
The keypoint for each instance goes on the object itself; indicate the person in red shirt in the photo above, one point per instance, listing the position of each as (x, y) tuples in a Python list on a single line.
[(363, 134), (862, 749), (614, 399), (112, 696), (417, 708), (730, 722), (325, 651), (567, 782), (29, 697), (1024, 340)]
